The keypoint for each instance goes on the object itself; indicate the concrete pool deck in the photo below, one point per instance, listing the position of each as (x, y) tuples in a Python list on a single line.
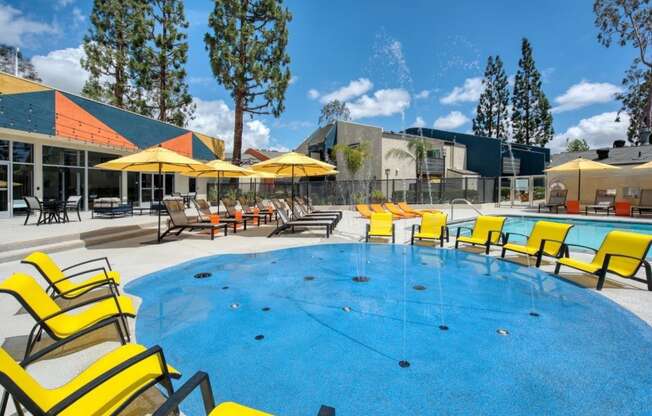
[(134, 259)]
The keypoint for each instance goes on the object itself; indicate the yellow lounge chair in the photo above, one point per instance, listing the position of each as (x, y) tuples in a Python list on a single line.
[(59, 283), (398, 212), (381, 225), (546, 239), (377, 208), (64, 325), (433, 227), (621, 253), (486, 231), (363, 209), (405, 207)]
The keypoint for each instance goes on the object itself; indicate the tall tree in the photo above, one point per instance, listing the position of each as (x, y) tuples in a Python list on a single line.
[(629, 22), (8, 57), (492, 114), (247, 50), (531, 116), (118, 28), (333, 111), (577, 145), (159, 64)]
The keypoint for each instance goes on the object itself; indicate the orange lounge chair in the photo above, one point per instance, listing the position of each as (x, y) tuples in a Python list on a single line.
[(377, 208), (406, 208), (363, 209), (398, 211)]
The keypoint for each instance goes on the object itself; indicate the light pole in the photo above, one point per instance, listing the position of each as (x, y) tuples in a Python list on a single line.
[(387, 179)]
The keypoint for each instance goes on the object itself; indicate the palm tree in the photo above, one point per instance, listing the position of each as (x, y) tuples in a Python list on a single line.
[(417, 150), (354, 157)]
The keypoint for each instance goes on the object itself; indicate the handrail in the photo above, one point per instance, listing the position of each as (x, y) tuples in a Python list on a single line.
[(467, 202)]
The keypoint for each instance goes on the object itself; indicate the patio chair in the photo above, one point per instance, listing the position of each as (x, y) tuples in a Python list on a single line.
[(61, 284), (33, 206), (556, 200), (66, 324), (287, 224), (111, 207), (433, 227), (301, 215), (73, 204), (644, 203), (396, 211), (106, 387), (363, 209), (419, 212), (240, 215), (381, 225), (546, 239), (604, 202), (307, 206), (378, 208), (180, 222), (487, 231), (621, 252)]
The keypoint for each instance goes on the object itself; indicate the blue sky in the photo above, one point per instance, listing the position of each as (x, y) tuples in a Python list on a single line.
[(396, 64)]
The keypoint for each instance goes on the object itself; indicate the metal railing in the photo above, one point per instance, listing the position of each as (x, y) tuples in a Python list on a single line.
[(456, 200)]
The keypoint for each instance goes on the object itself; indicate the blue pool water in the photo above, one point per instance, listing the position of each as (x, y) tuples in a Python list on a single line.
[(331, 340)]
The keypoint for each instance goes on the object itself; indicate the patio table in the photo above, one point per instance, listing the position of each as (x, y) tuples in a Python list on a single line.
[(53, 211)]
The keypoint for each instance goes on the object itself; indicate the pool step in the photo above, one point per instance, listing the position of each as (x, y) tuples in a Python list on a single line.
[(19, 250)]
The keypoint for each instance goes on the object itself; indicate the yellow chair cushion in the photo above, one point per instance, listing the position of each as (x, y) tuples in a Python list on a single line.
[(235, 409), (580, 265), (484, 224), (519, 248), (381, 224), (431, 225), (103, 400), (548, 230), (627, 243), (68, 324), (472, 240), (68, 286)]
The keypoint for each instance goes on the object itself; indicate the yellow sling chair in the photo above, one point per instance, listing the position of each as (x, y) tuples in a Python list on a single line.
[(546, 239), (433, 227), (486, 231), (621, 252), (380, 225)]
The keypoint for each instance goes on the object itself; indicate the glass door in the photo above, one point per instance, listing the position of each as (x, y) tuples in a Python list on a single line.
[(4, 189)]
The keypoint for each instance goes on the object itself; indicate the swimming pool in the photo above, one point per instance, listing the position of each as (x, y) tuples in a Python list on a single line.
[(395, 330)]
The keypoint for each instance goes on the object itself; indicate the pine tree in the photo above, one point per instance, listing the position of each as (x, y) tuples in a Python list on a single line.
[(531, 116), (8, 63), (634, 99), (333, 111), (492, 115), (117, 30), (247, 49), (159, 65)]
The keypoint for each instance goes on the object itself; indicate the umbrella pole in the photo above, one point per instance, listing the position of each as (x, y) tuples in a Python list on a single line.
[(160, 205), (292, 193), (218, 192), (579, 184)]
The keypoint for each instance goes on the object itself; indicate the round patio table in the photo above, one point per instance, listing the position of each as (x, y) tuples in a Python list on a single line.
[(53, 211)]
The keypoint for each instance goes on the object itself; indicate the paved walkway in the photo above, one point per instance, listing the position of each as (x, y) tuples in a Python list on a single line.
[(134, 259)]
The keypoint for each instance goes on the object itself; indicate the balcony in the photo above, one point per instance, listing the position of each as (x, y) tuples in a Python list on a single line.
[(433, 166)]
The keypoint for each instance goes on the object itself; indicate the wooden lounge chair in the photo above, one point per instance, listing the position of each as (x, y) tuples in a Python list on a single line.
[(556, 200), (433, 227), (621, 252), (363, 210), (604, 202), (398, 212), (546, 239), (66, 324), (61, 284), (487, 231), (381, 225), (179, 222), (286, 224), (644, 203)]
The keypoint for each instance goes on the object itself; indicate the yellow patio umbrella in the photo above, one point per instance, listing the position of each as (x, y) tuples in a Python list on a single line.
[(294, 164), (580, 165), (220, 169), (647, 165), (155, 160)]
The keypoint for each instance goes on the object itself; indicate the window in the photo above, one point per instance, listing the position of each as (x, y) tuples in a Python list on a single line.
[(192, 184), (4, 150), (102, 183), (95, 158), (434, 154), (23, 152), (62, 157), (60, 182), (23, 183)]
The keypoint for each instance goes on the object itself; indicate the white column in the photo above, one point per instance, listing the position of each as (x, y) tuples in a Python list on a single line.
[(124, 187), (86, 204)]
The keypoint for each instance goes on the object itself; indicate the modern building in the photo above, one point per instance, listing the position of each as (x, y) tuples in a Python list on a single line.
[(626, 182), (444, 159), (50, 141), (491, 157)]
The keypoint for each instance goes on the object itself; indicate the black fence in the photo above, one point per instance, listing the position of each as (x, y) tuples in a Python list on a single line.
[(475, 190)]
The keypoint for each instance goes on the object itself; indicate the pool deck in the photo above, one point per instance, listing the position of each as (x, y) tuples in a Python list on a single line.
[(134, 259)]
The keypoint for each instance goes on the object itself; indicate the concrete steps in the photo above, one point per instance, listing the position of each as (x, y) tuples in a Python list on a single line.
[(18, 250)]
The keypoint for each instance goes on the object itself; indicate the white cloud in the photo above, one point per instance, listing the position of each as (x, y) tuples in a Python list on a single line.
[(62, 69), (313, 94), (584, 94), (216, 119), (599, 131), (383, 103), (419, 122), (422, 95), (468, 92), (77, 15), (16, 28), (354, 89), (452, 120)]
